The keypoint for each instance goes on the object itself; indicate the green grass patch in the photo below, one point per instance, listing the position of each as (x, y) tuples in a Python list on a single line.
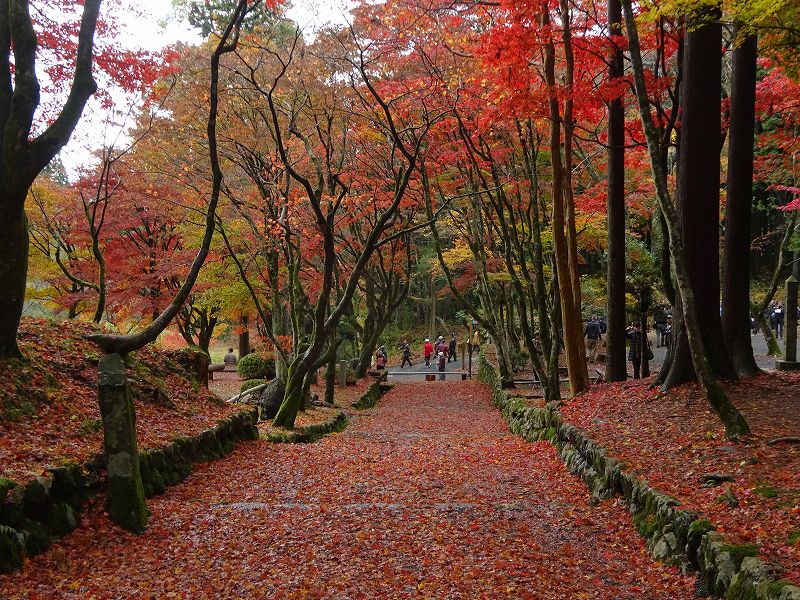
[(90, 426), (766, 490)]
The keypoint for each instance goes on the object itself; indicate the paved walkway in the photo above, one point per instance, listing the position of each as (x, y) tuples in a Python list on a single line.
[(425, 496)]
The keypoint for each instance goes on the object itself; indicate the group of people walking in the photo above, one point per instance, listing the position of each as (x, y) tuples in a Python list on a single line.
[(439, 353), (442, 352)]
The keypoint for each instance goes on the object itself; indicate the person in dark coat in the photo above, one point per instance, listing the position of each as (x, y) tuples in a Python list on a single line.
[(634, 334), (451, 349), (406, 354)]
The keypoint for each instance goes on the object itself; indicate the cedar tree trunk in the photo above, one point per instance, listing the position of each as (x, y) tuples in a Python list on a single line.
[(736, 274), (697, 200), (616, 366)]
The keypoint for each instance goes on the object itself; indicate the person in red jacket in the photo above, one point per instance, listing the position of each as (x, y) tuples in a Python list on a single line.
[(428, 352)]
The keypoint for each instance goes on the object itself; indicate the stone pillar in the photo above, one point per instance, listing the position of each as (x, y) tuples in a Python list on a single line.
[(343, 367), (125, 501), (789, 362)]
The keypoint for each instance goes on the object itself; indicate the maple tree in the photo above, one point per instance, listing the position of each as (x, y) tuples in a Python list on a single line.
[(61, 35), (23, 158)]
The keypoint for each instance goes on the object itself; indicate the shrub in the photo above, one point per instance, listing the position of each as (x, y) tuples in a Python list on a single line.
[(519, 359), (256, 366)]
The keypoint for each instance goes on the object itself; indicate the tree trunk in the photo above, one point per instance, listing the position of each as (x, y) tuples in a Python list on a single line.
[(293, 397), (736, 272), (735, 424), (13, 275), (125, 500), (773, 347), (330, 377), (697, 199), (616, 365), (572, 324)]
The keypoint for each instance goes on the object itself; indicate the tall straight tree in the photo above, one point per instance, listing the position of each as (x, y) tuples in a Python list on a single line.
[(735, 424), (697, 194), (563, 206), (22, 157), (736, 275), (617, 364)]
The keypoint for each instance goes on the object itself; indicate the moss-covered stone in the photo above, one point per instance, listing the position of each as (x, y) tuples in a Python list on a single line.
[(739, 552), (306, 435), (36, 537), (61, 519), (6, 485), (11, 550), (369, 398), (766, 490)]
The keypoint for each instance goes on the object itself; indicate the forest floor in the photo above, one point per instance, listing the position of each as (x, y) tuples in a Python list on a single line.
[(425, 495), (49, 412), (673, 440)]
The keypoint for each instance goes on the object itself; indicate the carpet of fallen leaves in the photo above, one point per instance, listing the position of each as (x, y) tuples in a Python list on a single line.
[(425, 496), (673, 439), (48, 404)]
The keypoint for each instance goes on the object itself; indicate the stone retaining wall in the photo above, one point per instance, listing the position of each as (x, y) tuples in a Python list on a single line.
[(33, 515), (309, 433), (673, 535)]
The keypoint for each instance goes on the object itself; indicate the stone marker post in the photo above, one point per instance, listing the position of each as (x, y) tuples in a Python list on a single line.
[(789, 362), (125, 500), (343, 367)]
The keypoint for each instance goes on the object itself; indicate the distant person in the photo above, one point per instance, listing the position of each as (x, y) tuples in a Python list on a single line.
[(451, 349), (593, 335), (381, 358), (428, 352), (779, 317), (476, 341), (230, 359), (634, 334), (442, 365), (441, 346), (406, 354), (667, 339), (659, 322)]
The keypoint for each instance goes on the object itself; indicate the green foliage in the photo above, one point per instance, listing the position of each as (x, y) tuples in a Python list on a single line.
[(256, 366), (794, 537), (519, 359)]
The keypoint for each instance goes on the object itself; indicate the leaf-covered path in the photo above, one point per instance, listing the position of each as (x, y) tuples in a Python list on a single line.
[(426, 495)]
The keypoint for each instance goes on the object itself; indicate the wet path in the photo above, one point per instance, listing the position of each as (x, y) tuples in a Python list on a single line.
[(425, 496)]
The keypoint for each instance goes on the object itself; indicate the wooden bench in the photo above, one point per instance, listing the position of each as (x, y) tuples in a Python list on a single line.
[(214, 369)]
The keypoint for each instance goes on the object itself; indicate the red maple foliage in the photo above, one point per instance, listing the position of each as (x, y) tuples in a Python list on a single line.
[(672, 440)]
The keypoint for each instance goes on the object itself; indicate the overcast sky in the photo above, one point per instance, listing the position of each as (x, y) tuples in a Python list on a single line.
[(309, 14), (158, 28)]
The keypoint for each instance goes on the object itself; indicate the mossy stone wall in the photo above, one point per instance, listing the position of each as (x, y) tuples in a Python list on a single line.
[(673, 535), (48, 507)]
